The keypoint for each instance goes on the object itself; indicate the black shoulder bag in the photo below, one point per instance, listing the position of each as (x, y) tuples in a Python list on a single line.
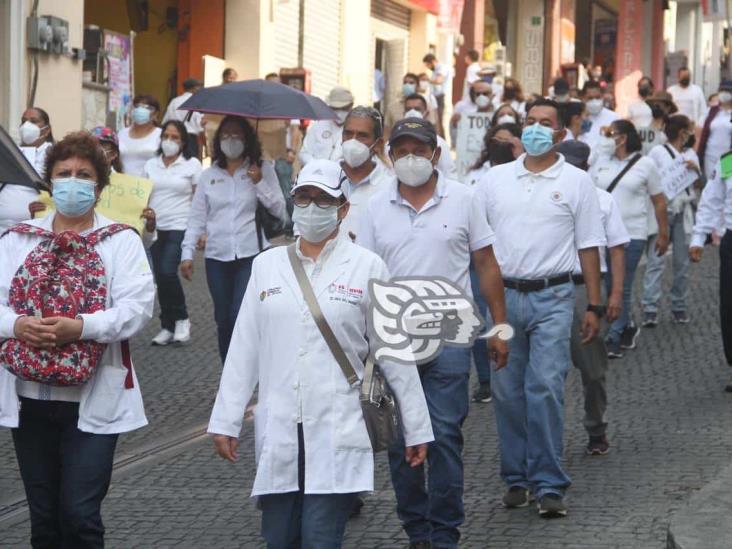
[(622, 173)]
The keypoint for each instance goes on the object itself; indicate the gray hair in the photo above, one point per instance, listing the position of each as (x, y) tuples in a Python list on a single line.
[(368, 112)]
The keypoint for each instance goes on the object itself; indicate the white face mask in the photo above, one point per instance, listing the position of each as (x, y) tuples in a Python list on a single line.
[(506, 119), (594, 106), (341, 117), (233, 147), (414, 171), (606, 146), (413, 113), (482, 101), (355, 153), (170, 147), (29, 132), (725, 96), (315, 224)]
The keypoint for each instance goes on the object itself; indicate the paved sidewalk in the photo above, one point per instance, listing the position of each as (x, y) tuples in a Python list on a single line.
[(669, 430)]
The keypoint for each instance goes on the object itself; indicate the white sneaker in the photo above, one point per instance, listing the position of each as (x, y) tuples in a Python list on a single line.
[(163, 338), (182, 331)]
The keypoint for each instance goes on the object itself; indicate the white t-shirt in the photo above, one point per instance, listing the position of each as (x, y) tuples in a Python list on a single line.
[(14, 200), (604, 118), (193, 125), (473, 176), (436, 241), (134, 153), (472, 74), (632, 191), (172, 191), (690, 101), (37, 156), (640, 114), (441, 69), (720, 137), (540, 219), (612, 224)]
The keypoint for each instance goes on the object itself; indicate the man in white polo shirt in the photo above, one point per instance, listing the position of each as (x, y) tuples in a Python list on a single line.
[(598, 115), (544, 212), (423, 224)]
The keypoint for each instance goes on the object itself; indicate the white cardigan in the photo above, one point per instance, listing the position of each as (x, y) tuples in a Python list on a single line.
[(106, 407)]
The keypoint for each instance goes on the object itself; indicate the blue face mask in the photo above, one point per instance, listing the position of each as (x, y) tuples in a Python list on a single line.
[(73, 197), (141, 115), (586, 125), (537, 139), (408, 89)]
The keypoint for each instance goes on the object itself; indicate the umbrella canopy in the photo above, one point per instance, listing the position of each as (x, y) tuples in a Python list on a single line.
[(14, 166), (258, 99)]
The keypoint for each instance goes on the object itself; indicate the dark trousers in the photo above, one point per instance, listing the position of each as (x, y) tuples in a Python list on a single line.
[(725, 293), (165, 254), (308, 521), (66, 474), (227, 282)]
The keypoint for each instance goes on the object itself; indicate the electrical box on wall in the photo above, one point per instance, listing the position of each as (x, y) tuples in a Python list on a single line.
[(48, 33)]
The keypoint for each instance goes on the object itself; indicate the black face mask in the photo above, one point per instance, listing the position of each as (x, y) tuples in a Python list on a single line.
[(509, 93), (644, 91), (690, 142), (501, 152), (685, 81)]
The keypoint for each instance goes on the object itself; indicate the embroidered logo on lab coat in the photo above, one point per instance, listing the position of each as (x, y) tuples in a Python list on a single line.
[(326, 134), (345, 294), (270, 292), (556, 196)]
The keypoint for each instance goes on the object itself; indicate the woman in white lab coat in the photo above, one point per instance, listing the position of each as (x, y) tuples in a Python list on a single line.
[(312, 448), (65, 436)]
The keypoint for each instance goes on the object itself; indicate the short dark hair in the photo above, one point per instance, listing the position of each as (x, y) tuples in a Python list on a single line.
[(252, 147), (473, 54), (429, 58), (684, 68), (591, 85), (416, 96), (626, 128), (648, 79), (675, 124), (411, 75), (271, 75), (181, 127), (569, 110), (147, 99), (227, 72), (79, 145), (543, 102)]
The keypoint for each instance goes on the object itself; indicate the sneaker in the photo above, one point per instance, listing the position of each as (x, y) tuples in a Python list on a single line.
[(650, 319), (552, 506), (629, 337), (163, 338), (483, 393), (613, 349), (598, 446), (680, 317), (420, 545), (517, 496), (182, 331)]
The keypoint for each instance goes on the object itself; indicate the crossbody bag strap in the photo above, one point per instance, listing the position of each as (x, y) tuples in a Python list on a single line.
[(670, 152), (320, 321), (625, 170)]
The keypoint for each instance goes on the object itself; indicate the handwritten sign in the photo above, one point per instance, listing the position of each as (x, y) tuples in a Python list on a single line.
[(471, 131), (122, 200), (677, 177)]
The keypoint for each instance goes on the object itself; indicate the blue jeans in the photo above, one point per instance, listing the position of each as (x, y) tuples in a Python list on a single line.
[(633, 252), (480, 349), (435, 511), (300, 520), (654, 268), (165, 254), (528, 394), (227, 282), (66, 474)]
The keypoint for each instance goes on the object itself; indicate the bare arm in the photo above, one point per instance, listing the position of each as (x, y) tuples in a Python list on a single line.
[(617, 269), (659, 205), (590, 263), (491, 287)]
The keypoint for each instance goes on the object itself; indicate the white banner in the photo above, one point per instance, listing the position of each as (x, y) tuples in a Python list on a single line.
[(470, 134), (677, 177)]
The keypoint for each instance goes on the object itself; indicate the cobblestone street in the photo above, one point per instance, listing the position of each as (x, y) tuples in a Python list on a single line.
[(669, 430)]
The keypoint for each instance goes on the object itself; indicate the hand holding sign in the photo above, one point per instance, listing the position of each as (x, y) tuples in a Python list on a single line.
[(676, 177)]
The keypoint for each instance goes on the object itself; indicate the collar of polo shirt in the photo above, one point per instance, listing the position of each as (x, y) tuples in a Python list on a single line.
[(551, 172), (440, 188)]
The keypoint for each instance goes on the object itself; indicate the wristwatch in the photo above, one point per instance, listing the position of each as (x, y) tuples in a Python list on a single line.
[(599, 310)]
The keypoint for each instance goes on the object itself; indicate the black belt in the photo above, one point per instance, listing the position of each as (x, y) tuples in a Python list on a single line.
[(578, 280), (536, 285)]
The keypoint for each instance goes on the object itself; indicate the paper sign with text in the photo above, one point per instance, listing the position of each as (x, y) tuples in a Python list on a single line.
[(122, 200), (470, 134), (677, 177)]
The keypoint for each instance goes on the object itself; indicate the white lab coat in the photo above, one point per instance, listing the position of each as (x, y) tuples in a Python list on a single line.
[(277, 344), (106, 407)]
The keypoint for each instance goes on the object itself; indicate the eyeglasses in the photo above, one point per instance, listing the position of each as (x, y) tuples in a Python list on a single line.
[(324, 201), (607, 132)]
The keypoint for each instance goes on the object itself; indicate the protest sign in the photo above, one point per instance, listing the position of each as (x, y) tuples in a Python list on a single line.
[(122, 200), (470, 134), (676, 177)]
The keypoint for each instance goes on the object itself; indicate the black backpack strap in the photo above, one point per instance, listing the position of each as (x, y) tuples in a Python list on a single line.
[(670, 152), (625, 170)]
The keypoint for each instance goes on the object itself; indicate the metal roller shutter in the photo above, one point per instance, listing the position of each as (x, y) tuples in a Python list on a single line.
[(391, 12), (286, 20), (321, 51)]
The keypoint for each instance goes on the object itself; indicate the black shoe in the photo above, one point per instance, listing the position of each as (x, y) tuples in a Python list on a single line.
[(483, 393), (650, 319), (598, 446), (356, 507), (516, 496), (629, 337), (613, 349), (420, 545), (680, 317), (552, 506)]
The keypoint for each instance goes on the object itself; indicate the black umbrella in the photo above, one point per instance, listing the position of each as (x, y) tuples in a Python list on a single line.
[(258, 99), (14, 166)]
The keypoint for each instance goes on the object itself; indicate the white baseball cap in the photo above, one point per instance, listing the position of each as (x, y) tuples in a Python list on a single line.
[(339, 97), (325, 175)]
